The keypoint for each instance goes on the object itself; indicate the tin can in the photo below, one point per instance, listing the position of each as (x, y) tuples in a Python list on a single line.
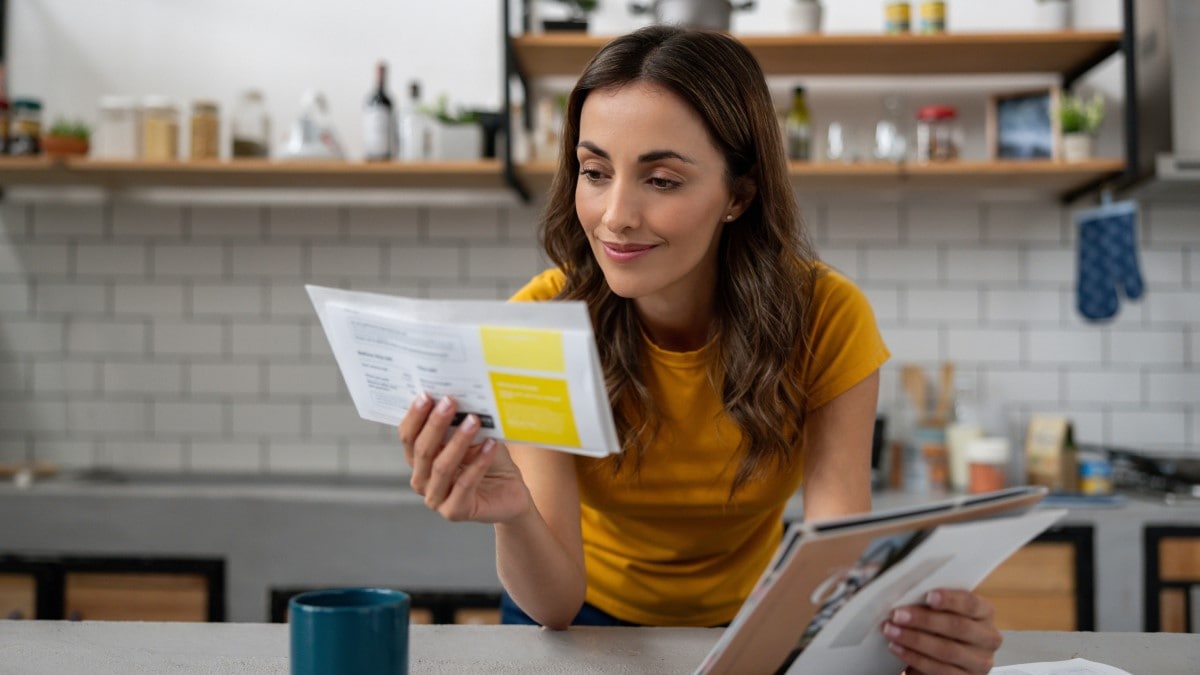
[(932, 17), (896, 17), (1095, 475)]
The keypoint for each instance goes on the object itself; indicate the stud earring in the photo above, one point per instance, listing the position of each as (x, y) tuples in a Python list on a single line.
[(729, 217)]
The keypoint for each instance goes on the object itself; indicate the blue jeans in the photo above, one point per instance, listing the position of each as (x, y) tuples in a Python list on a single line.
[(588, 615)]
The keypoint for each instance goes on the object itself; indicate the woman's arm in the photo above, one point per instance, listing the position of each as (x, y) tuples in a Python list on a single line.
[(837, 453)]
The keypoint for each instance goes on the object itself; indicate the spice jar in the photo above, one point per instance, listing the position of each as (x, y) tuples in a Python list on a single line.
[(26, 131), (251, 127), (160, 129), (896, 17), (932, 17), (206, 130), (119, 130), (987, 459), (938, 135)]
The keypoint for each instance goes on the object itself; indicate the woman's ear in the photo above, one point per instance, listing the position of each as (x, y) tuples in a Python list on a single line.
[(744, 191)]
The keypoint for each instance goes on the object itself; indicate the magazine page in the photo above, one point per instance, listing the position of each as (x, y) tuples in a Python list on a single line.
[(529, 371)]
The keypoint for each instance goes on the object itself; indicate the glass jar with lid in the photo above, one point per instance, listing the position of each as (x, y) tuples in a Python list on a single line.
[(118, 133), (938, 134), (25, 133), (160, 129), (251, 127), (205, 130)]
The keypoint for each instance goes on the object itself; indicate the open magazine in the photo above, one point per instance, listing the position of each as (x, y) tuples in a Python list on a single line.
[(529, 371), (819, 605)]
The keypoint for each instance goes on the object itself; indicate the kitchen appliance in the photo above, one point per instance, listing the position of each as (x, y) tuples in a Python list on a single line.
[(1173, 478), (710, 14)]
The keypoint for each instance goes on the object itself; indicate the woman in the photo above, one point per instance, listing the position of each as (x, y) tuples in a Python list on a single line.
[(737, 366)]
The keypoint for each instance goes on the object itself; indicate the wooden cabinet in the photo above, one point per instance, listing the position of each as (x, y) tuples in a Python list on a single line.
[(1172, 582), (428, 607), (113, 589), (1047, 585)]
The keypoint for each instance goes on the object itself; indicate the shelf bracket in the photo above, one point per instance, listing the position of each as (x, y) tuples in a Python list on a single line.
[(510, 172)]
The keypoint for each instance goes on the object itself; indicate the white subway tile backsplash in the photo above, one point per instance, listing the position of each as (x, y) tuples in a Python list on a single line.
[(913, 344), (243, 377), (14, 219), (311, 222), (106, 337), (166, 299), (1193, 268), (384, 223), (156, 455), (107, 417), (111, 260), (1149, 430), (1162, 267), (70, 298), (377, 459), (469, 224), (1090, 425), (135, 377), (192, 260), (1117, 386), (190, 338), (264, 339), (296, 380), (39, 415), (338, 418), (885, 301), (267, 419), (137, 219), (1024, 222), (1001, 386), (996, 345), (289, 300), (857, 222), (906, 264), (64, 377), (226, 457), (188, 418), (1175, 387), (1167, 224), (75, 221), (66, 453), (267, 261), (935, 304), (943, 224), (1048, 265), (1172, 306), (28, 260), (844, 259), (15, 298), (412, 263), (521, 224), (13, 375), (1147, 347), (228, 300), (226, 222), (500, 262), (465, 291), (23, 337), (347, 261), (14, 450), (288, 456), (1026, 305), (982, 264), (1055, 346)]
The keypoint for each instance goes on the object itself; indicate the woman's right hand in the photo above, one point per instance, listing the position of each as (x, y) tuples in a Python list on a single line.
[(459, 479)]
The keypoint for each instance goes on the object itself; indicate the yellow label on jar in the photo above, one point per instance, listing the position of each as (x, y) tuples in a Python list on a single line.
[(896, 17), (933, 16)]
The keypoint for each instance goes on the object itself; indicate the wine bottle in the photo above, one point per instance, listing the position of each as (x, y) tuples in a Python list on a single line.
[(799, 128), (379, 121), (416, 129)]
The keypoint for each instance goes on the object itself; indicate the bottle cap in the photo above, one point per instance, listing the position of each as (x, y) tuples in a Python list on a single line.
[(988, 450), (931, 113)]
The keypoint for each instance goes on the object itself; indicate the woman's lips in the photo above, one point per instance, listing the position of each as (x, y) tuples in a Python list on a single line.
[(626, 252)]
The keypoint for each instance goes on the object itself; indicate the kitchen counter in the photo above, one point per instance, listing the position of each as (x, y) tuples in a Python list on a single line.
[(101, 648), (298, 531)]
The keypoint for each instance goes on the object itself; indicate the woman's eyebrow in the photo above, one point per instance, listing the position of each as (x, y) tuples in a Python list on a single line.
[(652, 156)]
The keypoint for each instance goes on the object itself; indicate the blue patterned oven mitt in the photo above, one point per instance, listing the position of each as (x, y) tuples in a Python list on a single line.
[(1108, 259)]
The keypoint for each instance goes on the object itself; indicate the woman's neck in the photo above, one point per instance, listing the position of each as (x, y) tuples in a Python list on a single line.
[(678, 324)]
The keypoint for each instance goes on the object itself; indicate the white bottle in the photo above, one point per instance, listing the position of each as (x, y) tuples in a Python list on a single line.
[(966, 427), (416, 131)]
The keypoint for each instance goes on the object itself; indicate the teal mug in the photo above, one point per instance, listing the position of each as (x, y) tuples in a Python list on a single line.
[(349, 631)]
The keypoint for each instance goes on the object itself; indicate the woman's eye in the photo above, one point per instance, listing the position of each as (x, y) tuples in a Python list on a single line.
[(591, 174), (664, 183)]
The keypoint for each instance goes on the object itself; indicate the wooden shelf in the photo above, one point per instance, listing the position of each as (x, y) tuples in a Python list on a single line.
[(250, 173), (1041, 177), (1062, 53)]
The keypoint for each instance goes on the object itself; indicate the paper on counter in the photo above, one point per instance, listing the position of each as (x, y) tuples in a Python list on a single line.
[(1076, 666), (530, 371)]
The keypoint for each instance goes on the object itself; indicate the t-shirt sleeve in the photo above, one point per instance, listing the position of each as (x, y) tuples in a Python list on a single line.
[(846, 343), (542, 287)]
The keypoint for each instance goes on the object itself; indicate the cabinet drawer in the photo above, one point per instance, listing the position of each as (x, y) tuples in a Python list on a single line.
[(136, 597), (18, 596), (1179, 559), (1036, 568)]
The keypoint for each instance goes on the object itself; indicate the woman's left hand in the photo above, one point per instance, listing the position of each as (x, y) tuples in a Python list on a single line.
[(952, 633)]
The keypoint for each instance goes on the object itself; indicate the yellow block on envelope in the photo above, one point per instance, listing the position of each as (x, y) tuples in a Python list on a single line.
[(523, 348), (535, 409)]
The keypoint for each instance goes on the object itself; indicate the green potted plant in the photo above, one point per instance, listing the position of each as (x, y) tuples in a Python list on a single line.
[(66, 138), (1080, 122), (577, 16)]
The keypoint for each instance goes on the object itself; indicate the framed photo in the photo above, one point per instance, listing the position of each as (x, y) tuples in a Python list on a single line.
[(1024, 125)]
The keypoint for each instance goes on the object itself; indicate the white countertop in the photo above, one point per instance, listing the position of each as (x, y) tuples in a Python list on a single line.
[(131, 648)]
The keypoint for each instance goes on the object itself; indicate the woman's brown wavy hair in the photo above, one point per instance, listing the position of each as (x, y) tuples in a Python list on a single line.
[(766, 273)]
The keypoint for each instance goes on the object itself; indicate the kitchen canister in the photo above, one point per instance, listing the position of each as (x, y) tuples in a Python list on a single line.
[(118, 133), (987, 459), (160, 129), (932, 17), (896, 15)]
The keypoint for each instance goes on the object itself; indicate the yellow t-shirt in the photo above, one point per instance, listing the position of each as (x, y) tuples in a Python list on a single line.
[(666, 546)]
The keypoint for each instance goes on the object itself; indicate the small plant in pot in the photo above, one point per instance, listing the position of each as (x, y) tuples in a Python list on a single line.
[(577, 16), (66, 139), (1080, 121)]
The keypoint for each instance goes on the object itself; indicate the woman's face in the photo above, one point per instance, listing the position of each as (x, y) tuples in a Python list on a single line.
[(652, 194)]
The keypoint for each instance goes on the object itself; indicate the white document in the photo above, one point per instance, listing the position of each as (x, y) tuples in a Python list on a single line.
[(1075, 666), (530, 370), (956, 555)]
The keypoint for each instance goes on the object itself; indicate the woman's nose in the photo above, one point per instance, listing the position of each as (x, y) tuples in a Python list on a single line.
[(621, 208)]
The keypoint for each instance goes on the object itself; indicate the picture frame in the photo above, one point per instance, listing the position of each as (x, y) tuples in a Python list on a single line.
[(1024, 125)]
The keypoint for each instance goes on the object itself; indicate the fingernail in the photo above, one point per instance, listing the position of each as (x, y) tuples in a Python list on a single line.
[(933, 599), (891, 630), (895, 648), (488, 446), (469, 425), (901, 616), (422, 401), (444, 405)]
